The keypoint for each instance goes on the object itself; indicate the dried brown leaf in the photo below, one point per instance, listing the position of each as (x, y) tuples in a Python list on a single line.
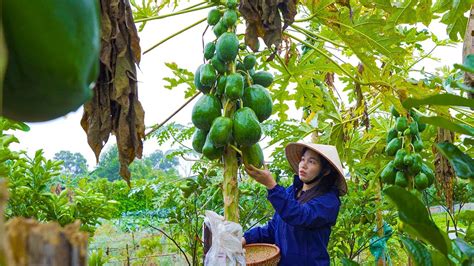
[(115, 108), (263, 19)]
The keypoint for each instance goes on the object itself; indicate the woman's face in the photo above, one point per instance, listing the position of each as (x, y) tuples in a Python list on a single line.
[(309, 166)]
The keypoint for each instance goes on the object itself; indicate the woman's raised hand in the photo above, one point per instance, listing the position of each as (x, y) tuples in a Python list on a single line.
[(262, 176)]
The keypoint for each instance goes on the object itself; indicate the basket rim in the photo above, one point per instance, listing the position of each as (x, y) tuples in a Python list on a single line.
[(277, 254)]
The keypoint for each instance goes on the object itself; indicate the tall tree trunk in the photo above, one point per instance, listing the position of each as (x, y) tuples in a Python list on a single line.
[(468, 48), (230, 186)]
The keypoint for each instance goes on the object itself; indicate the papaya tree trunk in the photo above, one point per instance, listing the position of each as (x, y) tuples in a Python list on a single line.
[(379, 220), (230, 186), (468, 48)]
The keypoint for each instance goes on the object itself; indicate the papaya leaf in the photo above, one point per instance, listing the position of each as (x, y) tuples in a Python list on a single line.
[(462, 163), (447, 124), (462, 86), (468, 65), (468, 142), (438, 259), (439, 99), (455, 19), (466, 249), (417, 250), (413, 214), (349, 262)]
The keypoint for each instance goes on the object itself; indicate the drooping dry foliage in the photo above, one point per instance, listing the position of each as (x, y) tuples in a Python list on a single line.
[(115, 108), (263, 20)]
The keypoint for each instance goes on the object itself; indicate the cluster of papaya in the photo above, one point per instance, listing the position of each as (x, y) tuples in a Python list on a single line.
[(404, 142), (235, 98)]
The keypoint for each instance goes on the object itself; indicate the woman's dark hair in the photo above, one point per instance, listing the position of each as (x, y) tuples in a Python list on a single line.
[(326, 183)]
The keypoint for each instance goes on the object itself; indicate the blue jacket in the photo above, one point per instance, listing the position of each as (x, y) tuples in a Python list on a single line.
[(301, 231)]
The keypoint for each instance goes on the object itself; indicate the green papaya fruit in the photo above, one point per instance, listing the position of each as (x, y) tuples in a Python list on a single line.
[(408, 160), (208, 75), (213, 17), (220, 66), (263, 78), (206, 109), (231, 4), (211, 151), (234, 86), (414, 115), (398, 161), (199, 138), (197, 81), (402, 123), (388, 173), (253, 155), (416, 165), (421, 181), (421, 127), (414, 128), (418, 144), (221, 81), (394, 111), (240, 67), (227, 47), (219, 29), (221, 131), (392, 133), (209, 50), (393, 146), (53, 57), (425, 169), (401, 179), (250, 61), (258, 98), (229, 18), (246, 128)]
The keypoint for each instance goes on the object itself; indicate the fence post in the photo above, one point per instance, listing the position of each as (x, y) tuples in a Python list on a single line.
[(3, 200), (207, 240), (128, 255)]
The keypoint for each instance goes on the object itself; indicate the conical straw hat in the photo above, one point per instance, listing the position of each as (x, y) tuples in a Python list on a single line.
[(294, 151)]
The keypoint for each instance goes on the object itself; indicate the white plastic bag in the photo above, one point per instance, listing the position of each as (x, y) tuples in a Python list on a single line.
[(226, 248)]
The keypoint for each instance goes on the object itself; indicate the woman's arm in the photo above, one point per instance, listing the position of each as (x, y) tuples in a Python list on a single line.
[(315, 213), (263, 234)]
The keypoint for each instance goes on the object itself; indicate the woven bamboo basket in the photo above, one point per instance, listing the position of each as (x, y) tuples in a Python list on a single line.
[(262, 254)]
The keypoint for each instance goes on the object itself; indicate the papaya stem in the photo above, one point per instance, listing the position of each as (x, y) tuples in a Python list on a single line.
[(236, 149), (312, 35), (226, 108), (172, 14), (196, 5), (155, 128), (175, 34)]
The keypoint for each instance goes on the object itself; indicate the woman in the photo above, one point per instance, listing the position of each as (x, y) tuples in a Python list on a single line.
[(306, 211)]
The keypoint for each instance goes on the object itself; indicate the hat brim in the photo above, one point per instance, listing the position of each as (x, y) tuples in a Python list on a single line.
[(294, 151)]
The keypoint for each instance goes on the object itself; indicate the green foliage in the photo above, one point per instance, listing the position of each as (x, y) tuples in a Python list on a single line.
[(74, 164), (353, 230), (149, 167), (30, 196)]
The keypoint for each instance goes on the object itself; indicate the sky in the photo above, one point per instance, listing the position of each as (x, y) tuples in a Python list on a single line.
[(65, 133)]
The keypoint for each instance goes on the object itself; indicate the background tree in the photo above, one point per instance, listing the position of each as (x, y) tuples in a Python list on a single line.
[(73, 163)]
